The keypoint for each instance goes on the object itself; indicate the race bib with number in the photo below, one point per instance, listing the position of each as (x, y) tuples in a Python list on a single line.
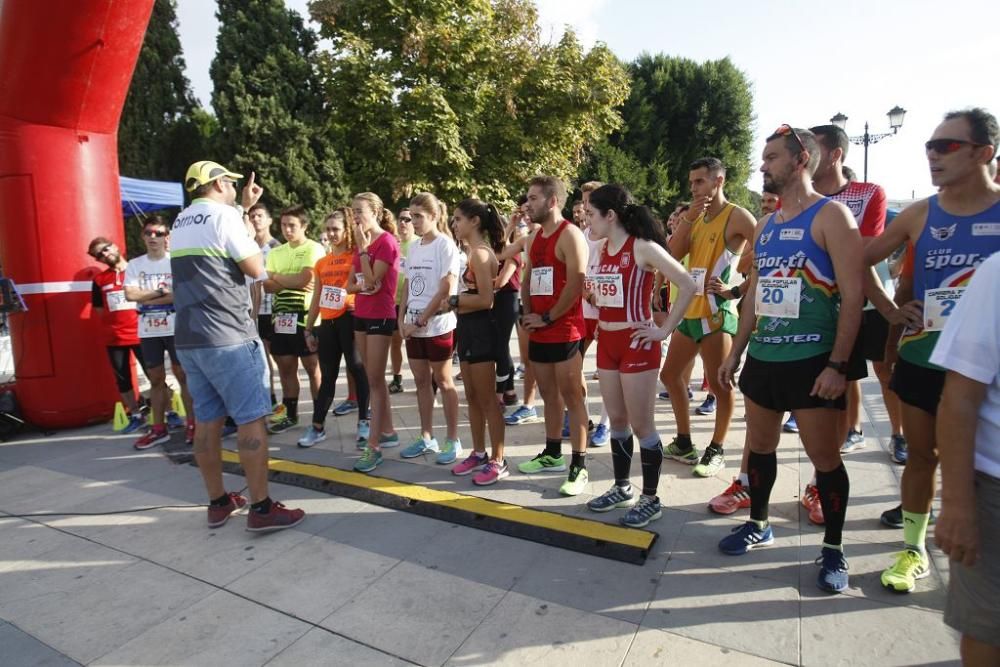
[(541, 281), (779, 297), (156, 323), (117, 301), (938, 306), (699, 280), (609, 290), (286, 323), (332, 297)]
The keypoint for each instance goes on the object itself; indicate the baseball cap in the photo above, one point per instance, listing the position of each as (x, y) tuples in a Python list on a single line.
[(204, 172)]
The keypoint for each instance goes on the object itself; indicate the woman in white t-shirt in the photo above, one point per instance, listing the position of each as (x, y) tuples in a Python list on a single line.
[(432, 269)]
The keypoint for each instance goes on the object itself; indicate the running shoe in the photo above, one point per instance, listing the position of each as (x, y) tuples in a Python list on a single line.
[(646, 510), (278, 518), (283, 425), (855, 440), (450, 452), (364, 431), (811, 501), (665, 395), (522, 415), (519, 373), (576, 482), (832, 570), (790, 426), (491, 473), (152, 439), (899, 450), (174, 421), (345, 408), (910, 565), (278, 413), (708, 406), (219, 515), (370, 458), (712, 461), (616, 497), (135, 422), (189, 434), (893, 518), (419, 447), (471, 464), (311, 437), (396, 386), (543, 463), (735, 497), (689, 457), (565, 431), (746, 537), (601, 436)]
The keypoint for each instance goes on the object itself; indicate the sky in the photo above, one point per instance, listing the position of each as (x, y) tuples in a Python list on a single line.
[(807, 61)]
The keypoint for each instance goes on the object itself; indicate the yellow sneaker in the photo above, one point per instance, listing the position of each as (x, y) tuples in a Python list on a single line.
[(279, 414), (909, 566)]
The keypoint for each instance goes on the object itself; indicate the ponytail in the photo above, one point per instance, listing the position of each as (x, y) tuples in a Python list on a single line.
[(491, 225), (387, 221), (637, 220)]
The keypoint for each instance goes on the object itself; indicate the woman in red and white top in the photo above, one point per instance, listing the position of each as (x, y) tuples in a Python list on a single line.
[(628, 345)]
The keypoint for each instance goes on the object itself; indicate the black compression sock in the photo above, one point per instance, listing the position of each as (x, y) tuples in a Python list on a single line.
[(554, 447), (834, 490), (652, 461), (263, 507), (684, 442), (621, 458), (579, 459), (292, 406), (762, 469)]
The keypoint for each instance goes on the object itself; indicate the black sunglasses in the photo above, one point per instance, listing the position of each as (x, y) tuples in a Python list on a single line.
[(152, 233), (406, 219), (945, 146)]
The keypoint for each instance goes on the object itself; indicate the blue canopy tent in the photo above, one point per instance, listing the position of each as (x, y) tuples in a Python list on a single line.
[(139, 196)]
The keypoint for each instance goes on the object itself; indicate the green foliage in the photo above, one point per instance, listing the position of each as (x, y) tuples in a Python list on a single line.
[(269, 105), (678, 111), (460, 97)]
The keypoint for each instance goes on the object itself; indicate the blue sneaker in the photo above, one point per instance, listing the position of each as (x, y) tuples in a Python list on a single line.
[(899, 450), (419, 447), (746, 537), (707, 407), (135, 422), (311, 437), (665, 395), (791, 426), (601, 436), (364, 430), (832, 571), (522, 415), (450, 452), (855, 440), (345, 408), (175, 421), (369, 460), (565, 431)]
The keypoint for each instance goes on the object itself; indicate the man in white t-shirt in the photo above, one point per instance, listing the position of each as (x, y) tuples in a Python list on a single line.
[(149, 283), (968, 433)]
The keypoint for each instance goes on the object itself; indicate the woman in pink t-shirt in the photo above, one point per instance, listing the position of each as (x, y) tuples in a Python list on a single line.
[(376, 269)]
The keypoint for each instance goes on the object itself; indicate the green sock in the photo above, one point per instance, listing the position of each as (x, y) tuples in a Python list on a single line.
[(836, 547), (760, 524), (915, 530)]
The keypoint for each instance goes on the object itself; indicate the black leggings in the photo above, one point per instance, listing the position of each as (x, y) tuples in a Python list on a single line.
[(120, 364), (505, 315), (336, 340)]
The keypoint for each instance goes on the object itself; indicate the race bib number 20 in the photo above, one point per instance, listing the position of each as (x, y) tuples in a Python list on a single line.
[(778, 297)]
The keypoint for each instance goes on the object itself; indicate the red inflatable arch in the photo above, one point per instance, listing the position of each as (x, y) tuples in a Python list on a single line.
[(65, 68)]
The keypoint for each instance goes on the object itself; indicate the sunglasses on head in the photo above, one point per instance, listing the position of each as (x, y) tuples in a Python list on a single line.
[(944, 146), (154, 233), (785, 130)]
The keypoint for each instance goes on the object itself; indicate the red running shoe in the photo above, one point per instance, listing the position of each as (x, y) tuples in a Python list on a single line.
[(734, 498), (217, 516), (153, 438), (189, 434), (279, 518), (810, 500)]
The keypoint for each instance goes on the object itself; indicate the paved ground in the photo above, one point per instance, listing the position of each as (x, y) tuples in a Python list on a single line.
[(362, 585)]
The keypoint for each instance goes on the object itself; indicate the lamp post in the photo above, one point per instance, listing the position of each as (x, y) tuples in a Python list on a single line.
[(895, 122)]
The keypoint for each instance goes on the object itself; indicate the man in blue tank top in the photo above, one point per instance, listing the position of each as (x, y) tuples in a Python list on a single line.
[(800, 318), (949, 234)]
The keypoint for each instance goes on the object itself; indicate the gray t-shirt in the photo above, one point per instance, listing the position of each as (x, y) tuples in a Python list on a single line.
[(210, 293)]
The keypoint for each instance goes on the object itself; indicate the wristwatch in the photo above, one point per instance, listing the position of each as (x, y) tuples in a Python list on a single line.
[(735, 291), (546, 318), (839, 366), (453, 301)]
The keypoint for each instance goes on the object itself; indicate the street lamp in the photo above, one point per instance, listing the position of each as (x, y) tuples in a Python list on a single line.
[(895, 122)]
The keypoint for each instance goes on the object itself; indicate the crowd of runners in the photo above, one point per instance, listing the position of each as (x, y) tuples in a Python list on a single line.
[(801, 298)]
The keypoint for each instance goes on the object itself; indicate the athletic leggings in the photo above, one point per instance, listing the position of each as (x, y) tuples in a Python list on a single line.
[(120, 364), (505, 315), (336, 340)]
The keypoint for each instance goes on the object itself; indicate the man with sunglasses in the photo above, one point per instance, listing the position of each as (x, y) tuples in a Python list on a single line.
[(149, 284), (950, 234), (216, 339), (121, 324), (800, 321)]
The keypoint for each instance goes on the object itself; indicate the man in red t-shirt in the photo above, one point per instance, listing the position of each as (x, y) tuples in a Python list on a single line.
[(121, 323)]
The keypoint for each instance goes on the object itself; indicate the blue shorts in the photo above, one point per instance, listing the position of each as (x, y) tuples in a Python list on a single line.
[(230, 380)]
